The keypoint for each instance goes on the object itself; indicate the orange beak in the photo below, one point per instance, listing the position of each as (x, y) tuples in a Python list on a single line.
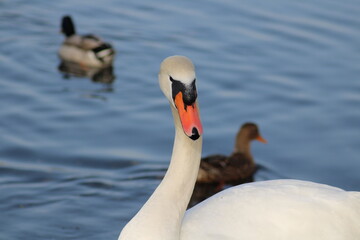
[(189, 116), (261, 139)]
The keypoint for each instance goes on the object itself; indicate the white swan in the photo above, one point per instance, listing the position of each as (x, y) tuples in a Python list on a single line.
[(280, 209)]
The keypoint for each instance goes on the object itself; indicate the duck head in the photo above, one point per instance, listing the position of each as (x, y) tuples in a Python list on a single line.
[(67, 26)]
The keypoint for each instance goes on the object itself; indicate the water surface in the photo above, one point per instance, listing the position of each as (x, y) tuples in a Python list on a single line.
[(78, 158)]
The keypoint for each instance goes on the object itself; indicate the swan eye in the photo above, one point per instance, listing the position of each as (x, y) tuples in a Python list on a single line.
[(171, 79)]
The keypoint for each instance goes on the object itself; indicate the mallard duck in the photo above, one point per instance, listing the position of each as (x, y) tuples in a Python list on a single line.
[(273, 210), (87, 50), (237, 168)]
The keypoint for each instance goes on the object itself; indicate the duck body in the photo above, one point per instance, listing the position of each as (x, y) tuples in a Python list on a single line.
[(276, 210), (236, 168), (87, 50), (219, 171), (271, 210)]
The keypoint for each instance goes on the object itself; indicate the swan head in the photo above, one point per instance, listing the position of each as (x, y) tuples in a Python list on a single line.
[(177, 80)]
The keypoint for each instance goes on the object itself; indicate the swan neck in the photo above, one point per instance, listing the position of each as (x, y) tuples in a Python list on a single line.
[(161, 216), (184, 165)]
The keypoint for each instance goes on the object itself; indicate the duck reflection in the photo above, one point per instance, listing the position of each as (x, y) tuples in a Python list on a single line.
[(102, 75), (203, 191)]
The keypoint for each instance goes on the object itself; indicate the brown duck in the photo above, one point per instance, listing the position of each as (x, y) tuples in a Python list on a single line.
[(217, 170), (237, 168)]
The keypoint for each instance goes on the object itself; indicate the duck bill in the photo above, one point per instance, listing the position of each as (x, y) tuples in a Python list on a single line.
[(189, 117), (261, 139)]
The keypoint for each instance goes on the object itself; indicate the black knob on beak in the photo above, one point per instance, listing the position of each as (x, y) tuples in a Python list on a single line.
[(195, 134)]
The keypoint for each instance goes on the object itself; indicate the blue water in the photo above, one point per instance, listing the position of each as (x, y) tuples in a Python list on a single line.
[(78, 158)]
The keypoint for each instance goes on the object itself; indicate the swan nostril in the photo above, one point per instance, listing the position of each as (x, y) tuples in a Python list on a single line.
[(195, 134)]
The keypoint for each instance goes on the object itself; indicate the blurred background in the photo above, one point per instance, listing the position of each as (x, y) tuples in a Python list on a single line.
[(78, 157)]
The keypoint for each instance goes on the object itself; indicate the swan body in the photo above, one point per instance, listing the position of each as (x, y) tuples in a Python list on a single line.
[(88, 50), (275, 210)]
